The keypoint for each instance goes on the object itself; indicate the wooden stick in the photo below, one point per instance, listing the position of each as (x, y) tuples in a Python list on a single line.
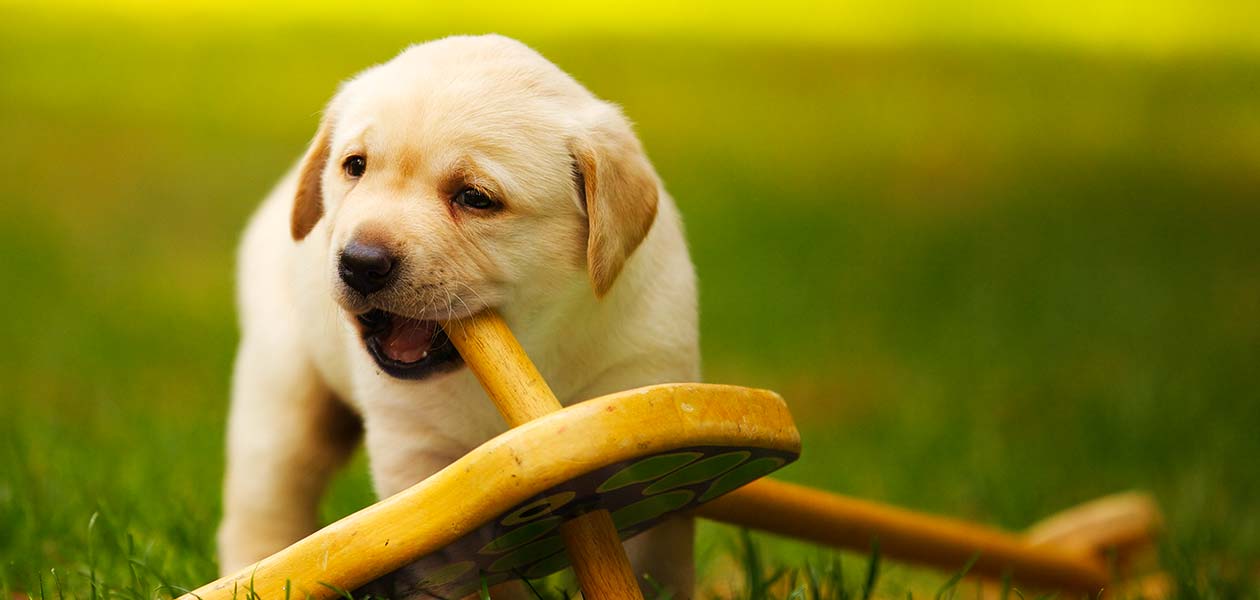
[(606, 571), (831, 519), (501, 365), (521, 395)]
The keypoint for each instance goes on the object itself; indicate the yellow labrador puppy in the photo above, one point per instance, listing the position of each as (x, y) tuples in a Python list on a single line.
[(466, 173)]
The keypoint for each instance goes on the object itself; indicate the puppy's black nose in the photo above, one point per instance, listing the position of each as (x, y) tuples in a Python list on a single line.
[(366, 268)]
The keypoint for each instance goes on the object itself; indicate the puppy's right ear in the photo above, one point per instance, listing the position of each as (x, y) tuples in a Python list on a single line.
[(308, 206)]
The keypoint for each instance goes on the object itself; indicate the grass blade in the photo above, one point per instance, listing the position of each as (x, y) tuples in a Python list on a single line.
[(949, 585), (872, 571)]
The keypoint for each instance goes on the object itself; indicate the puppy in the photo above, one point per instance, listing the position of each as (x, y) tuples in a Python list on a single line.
[(467, 173)]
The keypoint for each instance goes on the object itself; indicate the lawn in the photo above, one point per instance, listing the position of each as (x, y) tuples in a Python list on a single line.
[(992, 278)]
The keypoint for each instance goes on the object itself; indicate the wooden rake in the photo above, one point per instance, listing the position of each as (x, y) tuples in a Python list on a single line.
[(564, 486)]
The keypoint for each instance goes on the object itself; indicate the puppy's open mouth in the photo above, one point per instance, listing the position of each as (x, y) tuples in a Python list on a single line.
[(407, 348)]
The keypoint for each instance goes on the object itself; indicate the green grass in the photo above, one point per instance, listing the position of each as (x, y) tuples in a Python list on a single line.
[(992, 280)]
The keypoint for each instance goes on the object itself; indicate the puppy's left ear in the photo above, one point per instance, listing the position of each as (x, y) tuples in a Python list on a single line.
[(619, 190), (308, 203)]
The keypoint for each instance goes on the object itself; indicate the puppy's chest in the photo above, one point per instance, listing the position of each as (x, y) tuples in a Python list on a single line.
[(451, 407)]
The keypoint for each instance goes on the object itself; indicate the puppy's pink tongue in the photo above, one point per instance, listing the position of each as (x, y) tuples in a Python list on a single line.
[(408, 339)]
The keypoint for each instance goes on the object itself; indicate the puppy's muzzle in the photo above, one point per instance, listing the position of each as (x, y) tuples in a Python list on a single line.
[(366, 268)]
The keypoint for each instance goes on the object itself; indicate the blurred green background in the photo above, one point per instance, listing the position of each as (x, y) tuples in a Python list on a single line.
[(999, 260)]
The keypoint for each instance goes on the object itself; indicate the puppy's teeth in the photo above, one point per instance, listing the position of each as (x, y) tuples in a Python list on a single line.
[(424, 355)]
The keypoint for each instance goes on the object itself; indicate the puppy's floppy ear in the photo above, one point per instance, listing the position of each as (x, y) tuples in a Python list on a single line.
[(308, 205), (619, 190)]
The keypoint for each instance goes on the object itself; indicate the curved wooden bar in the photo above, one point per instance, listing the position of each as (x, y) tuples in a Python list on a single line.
[(506, 471), (834, 520)]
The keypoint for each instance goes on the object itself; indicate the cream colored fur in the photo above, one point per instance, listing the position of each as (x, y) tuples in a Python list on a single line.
[(591, 272)]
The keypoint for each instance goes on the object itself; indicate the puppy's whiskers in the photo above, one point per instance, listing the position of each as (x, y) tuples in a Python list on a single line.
[(481, 301)]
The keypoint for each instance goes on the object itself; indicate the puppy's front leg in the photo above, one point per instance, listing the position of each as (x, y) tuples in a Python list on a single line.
[(286, 435), (665, 553)]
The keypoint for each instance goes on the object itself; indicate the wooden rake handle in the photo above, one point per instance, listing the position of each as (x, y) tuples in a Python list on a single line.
[(521, 395), (834, 520)]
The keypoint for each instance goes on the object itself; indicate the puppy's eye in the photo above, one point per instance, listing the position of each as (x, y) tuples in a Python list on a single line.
[(475, 199), (354, 166)]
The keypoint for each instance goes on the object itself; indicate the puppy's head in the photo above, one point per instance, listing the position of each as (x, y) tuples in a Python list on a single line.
[(464, 174)]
